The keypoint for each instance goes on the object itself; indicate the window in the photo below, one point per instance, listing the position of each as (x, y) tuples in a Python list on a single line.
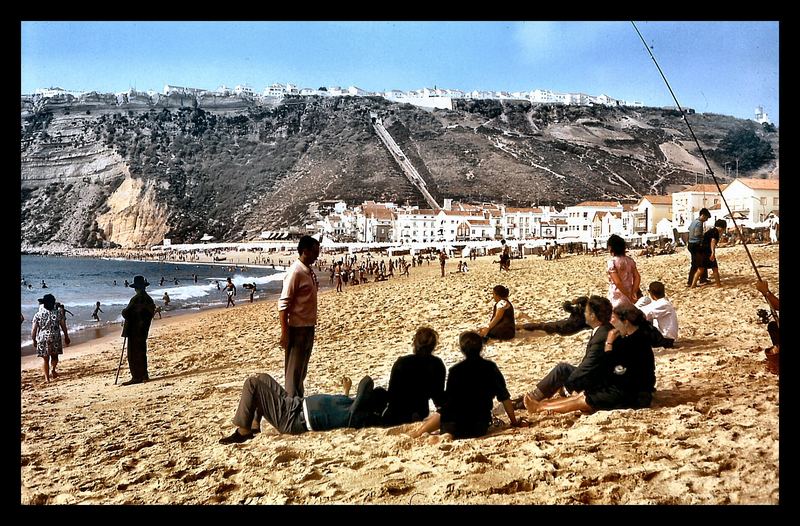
[(586, 227), (763, 201), (774, 201)]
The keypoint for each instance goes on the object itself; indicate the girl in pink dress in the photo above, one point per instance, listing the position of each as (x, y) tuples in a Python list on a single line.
[(623, 277)]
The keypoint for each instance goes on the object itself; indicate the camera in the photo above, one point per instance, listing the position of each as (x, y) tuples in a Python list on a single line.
[(763, 316)]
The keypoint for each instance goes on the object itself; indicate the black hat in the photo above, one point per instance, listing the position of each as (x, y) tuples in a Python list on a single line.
[(139, 282), (48, 300)]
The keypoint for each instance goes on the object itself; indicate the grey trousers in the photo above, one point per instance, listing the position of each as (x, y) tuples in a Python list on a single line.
[(263, 396), (298, 352), (555, 379)]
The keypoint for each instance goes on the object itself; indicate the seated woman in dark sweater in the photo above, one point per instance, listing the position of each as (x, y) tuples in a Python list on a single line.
[(472, 385), (501, 325), (629, 377), (415, 379)]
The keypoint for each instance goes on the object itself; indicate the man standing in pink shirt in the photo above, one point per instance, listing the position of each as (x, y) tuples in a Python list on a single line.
[(297, 308)]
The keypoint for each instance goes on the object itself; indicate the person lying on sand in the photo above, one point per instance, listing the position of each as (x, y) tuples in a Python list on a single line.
[(575, 323), (263, 396)]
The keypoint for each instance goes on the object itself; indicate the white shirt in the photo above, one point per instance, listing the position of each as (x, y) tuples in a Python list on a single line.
[(663, 315), (641, 302)]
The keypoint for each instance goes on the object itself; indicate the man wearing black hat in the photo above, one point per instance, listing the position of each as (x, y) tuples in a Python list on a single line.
[(138, 315), (294, 415)]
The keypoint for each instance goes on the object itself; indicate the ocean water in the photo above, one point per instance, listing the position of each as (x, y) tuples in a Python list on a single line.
[(80, 282)]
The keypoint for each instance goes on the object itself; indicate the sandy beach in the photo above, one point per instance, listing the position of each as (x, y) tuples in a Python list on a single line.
[(711, 436)]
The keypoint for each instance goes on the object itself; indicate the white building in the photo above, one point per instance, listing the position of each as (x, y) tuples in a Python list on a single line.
[(415, 226), (581, 221), (243, 91), (687, 203), (375, 222), (170, 89), (522, 223), (649, 211), (761, 116), (752, 199), (355, 91)]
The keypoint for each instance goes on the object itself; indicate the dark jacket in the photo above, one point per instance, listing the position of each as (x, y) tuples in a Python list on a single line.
[(138, 315), (589, 373), (630, 365), (472, 385), (415, 379)]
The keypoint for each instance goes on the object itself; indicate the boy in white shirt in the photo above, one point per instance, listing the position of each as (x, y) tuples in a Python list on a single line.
[(662, 313)]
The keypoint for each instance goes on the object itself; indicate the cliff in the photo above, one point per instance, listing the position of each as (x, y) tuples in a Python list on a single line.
[(131, 169)]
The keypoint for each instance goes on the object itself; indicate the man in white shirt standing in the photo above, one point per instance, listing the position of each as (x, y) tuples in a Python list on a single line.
[(662, 313), (297, 308)]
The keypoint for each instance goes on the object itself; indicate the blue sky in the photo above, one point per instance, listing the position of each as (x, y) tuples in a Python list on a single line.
[(720, 67)]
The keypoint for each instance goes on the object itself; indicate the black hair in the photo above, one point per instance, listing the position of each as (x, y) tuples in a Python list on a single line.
[(470, 343), (617, 245), (500, 291), (425, 341), (601, 308), (306, 243), (705, 212), (721, 223), (631, 314), (656, 288)]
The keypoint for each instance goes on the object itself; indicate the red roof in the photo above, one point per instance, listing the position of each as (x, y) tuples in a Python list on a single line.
[(659, 199), (598, 204), (760, 184), (523, 210), (703, 188)]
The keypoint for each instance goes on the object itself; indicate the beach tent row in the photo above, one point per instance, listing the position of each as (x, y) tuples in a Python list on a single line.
[(267, 234)]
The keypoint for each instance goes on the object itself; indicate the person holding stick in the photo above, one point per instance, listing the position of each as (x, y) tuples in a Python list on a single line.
[(138, 315)]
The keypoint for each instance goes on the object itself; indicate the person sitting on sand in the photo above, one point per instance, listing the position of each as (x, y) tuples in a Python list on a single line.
[(472, 384), (415, 379), (262, 395), (661, 312), (501, 325), (575, 323), (627, 373), (587, 373), (166, 300)]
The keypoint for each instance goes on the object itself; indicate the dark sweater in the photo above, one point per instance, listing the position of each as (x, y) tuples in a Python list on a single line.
[(415, 379), (472, 385)]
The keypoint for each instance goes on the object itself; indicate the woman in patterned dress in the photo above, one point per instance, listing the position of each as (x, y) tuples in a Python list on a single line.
[(48, 323)]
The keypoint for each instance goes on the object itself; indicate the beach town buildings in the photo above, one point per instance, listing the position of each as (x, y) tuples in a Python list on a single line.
[(751, 200), (585, 220), (649, 211), (687, 203)]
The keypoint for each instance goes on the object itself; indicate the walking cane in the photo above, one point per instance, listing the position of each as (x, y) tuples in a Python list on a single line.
[(124, 341)]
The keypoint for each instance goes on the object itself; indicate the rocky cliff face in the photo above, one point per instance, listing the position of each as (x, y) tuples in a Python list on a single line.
[(131, 170)]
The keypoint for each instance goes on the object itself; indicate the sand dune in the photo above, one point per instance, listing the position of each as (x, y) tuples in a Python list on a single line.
[(711, 436)]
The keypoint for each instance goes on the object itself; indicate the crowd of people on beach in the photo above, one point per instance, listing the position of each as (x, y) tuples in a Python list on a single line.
[(617, 370)]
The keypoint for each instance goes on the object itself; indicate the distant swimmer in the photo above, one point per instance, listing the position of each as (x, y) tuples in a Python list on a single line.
[(97, 310), (115, 283), (195, 278), (127, 284), (44, 285), (62, 310), (176, 281), (230, 288), (217, 283), (166, 300), (161, 284)]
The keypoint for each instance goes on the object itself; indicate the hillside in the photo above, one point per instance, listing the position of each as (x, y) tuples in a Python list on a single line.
[(102, 170)]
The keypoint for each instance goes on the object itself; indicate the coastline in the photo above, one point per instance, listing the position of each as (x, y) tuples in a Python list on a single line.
[(711, 436)]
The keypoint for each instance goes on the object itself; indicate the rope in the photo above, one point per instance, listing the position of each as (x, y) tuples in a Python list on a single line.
[(702, 153)]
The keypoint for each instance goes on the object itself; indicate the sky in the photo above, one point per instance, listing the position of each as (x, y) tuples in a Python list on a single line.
[(719, 67)]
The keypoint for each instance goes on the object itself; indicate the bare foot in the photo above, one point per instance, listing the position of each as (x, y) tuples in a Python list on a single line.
[(53, 373), (347, 383), (531, 404)]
